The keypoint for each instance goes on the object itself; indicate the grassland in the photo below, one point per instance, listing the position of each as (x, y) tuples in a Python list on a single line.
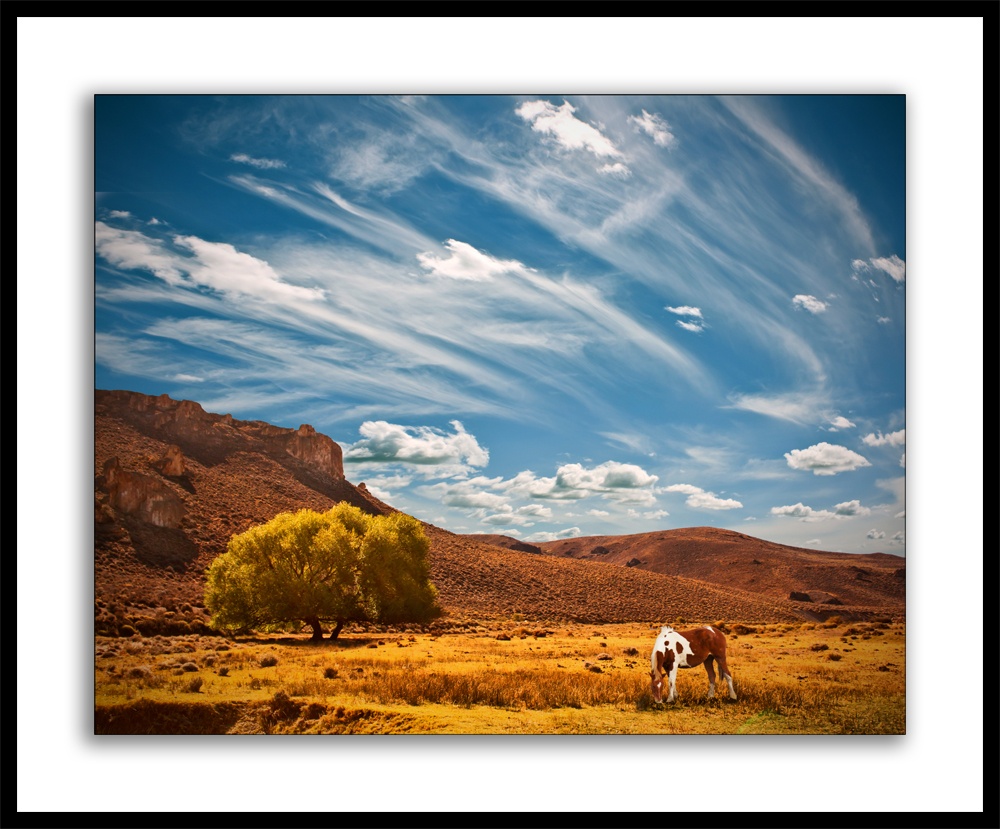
[(500, 677)]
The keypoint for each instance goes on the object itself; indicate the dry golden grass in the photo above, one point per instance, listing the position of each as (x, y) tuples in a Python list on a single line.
[(501, 678)]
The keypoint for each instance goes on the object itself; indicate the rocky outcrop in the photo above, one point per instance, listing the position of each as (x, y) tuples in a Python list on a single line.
[(141, 496), (212, 437)]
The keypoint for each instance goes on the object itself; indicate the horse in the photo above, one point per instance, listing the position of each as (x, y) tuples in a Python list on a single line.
[(686, 649)]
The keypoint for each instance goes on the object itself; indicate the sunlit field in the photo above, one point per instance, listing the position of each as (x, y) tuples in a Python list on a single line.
[(501, 677)]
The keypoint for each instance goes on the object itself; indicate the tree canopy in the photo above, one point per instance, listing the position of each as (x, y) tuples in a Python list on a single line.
[(341, 565)]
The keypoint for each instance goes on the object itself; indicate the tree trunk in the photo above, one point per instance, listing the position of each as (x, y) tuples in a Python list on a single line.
[(313, 622), (336, 631)]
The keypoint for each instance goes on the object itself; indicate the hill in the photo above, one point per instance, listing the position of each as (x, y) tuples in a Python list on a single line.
[(172, 484), (733, 560)]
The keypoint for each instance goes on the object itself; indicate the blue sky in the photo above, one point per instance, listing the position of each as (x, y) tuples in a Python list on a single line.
[(540, 315)]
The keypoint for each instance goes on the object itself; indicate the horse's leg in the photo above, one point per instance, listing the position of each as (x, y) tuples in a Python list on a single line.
[(673, 683), (711, 676), (724, 673)]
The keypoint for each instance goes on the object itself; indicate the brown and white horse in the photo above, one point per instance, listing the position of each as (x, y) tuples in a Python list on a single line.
[(687, 649)]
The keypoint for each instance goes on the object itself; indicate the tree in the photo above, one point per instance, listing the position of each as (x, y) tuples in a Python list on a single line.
[(341, 565)]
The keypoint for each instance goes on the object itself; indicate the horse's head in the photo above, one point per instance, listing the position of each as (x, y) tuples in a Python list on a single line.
[(662, 662)]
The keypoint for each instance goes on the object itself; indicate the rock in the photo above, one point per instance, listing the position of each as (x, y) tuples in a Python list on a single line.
[(600, 550), (172, 462), (141, 496), (633, 562), (796, 596)]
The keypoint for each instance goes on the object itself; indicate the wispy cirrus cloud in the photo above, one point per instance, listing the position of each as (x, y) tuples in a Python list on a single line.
[(259, 163)]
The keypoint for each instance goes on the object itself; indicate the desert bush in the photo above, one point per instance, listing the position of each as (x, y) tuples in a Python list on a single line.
[(194, 686), (125, 631), (330, 673), (268, 661), (819, 646), (223, 671), (189, 667)]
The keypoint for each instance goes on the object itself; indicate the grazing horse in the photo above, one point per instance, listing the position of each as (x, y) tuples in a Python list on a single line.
[(686, 649)]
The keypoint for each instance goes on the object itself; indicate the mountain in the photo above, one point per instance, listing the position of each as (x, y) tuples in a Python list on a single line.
[(172, 484)]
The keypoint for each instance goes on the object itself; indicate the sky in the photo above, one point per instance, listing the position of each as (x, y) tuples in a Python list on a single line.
[(545, 316)]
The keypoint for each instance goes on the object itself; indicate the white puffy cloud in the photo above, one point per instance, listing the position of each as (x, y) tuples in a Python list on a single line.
[(825, 459), (525, 516), (621, 481), (840, 422), (465, 262), (809, 303), (466, 495), (655, 127), (898, 538), (892, 439), (802, 512), (259, 163), (700, 499), (568, 130), (851, 508), (384, 442), (883, 320), (875, 535), (119, 214), (569, 532)]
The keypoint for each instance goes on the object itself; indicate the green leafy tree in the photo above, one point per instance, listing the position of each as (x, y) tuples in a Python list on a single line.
[(341, 565)]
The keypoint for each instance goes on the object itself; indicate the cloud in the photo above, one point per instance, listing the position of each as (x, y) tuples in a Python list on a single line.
[(259, 163), (851, 508), (598, 513), (569, 532), (810, 303), (684, 310), (466, 495), (220, 266), (421, 445), (847, 509), (696, 327), (466, 262), (902, 460), (655, 127), (840, 422), (619, 481), (892, 265), (892, 439), (801, 408), (825, 459), (618, 170), (120, 214), (875, 535), (883, 320), (130, 249), (802, 512), (568, 130), (700, 499), (214, 265), (898, 538), (522, 516)]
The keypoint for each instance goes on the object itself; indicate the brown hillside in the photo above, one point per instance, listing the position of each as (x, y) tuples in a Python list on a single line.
[(732, 560), (172, 484)]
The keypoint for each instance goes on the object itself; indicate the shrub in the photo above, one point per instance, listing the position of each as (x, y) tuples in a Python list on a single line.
[(330, 673), (126, 631), (268, 661), (189, 667), (194, 686), (223, 671)]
